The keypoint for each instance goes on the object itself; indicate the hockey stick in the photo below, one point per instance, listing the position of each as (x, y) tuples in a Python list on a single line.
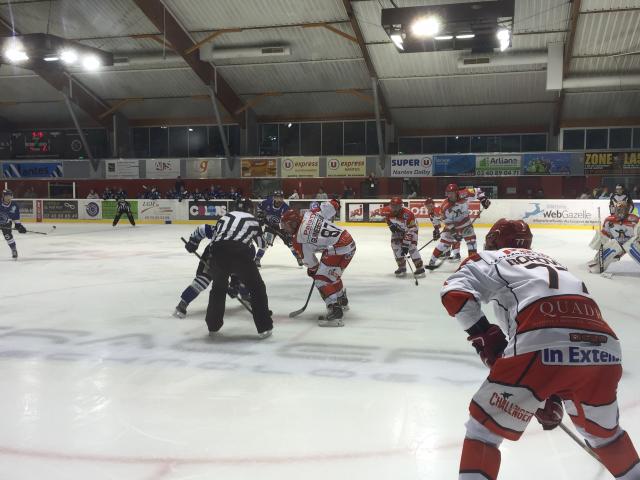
[(242, 302), (304, 307), (601, 248), (33, 231), (407, 261), (429, 242), (582, 445)]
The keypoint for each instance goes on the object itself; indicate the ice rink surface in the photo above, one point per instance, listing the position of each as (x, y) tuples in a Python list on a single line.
[(99, 381)]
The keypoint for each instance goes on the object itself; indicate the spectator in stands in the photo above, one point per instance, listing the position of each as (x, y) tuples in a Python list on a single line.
[(370, 186), (294, 195), (179, 185), (154, 194), (321, 195), (586, 195), (170, 195), (411, 188), (197, 195), (93, 194), (604, 194), (347, 192), (635, 192), (107, 194), (539, 193), (31, 193), (233, 194)]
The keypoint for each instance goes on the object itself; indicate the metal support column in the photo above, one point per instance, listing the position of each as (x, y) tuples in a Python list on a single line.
[(225, 145), (94, 164), (376, 107)]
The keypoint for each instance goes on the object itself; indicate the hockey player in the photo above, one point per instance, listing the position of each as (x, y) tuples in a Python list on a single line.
[(123, 207), (10, 212), (404, 236), (434, 213), (313, 233), (329, 209), (269, 213), (557, 349), (618, 236), (203, 275), (457, 222)]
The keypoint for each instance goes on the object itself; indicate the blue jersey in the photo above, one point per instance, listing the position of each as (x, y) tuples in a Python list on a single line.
[(9, 212), (203, 231), (272, 213)]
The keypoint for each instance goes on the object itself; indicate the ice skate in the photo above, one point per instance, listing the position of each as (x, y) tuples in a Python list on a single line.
[(265, 334), (14, 254), (333, 318), (181, 310), (420, 272), (343, 301), (454, 258), (400, 272)]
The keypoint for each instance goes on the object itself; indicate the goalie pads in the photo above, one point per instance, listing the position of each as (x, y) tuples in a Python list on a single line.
[(598, 240), (633, 248), (611, 252)]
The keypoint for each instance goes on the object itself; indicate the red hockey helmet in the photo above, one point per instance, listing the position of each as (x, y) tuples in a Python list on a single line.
[(395, 204), (290, 220), (451, 192), (508, 234)]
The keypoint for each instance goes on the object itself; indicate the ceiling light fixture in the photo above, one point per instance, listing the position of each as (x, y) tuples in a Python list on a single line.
[(444, 37), (426, 27), (465, 36), (91, 63), (504, 37), (69, 57)]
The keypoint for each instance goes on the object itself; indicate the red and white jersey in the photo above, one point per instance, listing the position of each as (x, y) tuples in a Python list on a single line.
[(317, 234), (539, 303), (405, 219), (620, 230), (455, 215)]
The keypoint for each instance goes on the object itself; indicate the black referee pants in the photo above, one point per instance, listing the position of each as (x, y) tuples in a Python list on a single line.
[(119, 214), (229, 257)]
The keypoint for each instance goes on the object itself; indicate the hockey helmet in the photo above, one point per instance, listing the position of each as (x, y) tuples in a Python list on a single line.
[(451, 192), (244, 205), (621, 210), (7, 193), (508, 234), (395, 204), (290, 220), (278, 197)]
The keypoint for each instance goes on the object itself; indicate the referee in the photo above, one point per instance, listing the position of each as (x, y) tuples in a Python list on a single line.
[(232, 252), (123, 207)]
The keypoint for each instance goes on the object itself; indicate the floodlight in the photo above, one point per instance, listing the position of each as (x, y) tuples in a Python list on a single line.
[(51, 58), (91, 63), (426, 27), (444, 37), (504, 36), (465, 36), (69, 56), (16, 54), (396, 38)]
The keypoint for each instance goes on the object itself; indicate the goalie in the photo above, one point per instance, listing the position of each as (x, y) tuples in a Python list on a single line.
[(619, 235)]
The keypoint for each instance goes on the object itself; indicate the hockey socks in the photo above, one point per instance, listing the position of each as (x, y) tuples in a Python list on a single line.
[(620, 458), (479, 461)]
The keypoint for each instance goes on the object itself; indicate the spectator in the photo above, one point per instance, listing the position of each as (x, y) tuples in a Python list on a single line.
[(585, 195), (635, 192), (107, 194), (31, 193), (371, 186), (321, 195), (179, 185), (197, 195), (604, 194), (347, 192), (294, 195), (410, 188), (93, 194), (154, 194), (539, 193)]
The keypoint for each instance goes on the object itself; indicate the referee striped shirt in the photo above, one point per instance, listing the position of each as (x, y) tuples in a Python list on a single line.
[(239, 227)]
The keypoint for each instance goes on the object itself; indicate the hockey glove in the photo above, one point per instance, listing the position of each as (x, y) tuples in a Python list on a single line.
[(312, 271), (395, 228), (192, 245), (436, 233), (404, 250), (20, 228), (489, 344), (551, 415)]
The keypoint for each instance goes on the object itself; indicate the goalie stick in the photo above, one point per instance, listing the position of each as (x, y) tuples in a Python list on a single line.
[(242, 302), (304, 307)]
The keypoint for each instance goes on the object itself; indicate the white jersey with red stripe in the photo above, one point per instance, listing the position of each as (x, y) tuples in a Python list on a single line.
[(404, 219), (317, 234), (620, 230), (455, 215), (540, 303)]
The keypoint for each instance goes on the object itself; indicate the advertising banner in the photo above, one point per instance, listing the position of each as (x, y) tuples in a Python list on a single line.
[(612, 163), (204, 168), (558, 212), (26, 208), (165, 168), (498, 165), (355, 212), (90, 209), (411, 165), (454, 165), (60, 209), (157, 210), (299, 167), (110, 208), (32, 170), (207, 210), (547, 163), (122, 168), (630, 163), (349, 166), (259, 167)]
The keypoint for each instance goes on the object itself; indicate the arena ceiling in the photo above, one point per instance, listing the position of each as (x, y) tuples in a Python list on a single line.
[(335, 48)]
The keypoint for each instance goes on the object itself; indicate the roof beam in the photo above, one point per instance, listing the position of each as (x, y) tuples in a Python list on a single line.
[(568, 55), (332, 29), (62, 81), (164, 21), (365, 54)]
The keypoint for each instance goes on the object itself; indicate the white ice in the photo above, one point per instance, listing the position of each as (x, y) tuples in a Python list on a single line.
[(99, 381)]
